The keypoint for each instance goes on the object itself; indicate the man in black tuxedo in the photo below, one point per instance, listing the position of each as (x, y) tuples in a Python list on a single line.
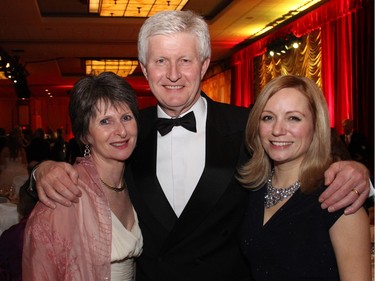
[(181, 181), (355, 142)]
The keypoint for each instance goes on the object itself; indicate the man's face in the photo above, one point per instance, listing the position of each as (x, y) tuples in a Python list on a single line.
[(347, 126), (174, 71)]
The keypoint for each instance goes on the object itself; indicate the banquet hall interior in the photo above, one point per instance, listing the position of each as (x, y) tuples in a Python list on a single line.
[(47, 45), (50, 44)]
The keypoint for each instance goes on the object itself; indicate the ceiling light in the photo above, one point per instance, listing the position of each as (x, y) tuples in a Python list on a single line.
[(122, 68), (133, 8), (11, 68), (296, 45), (283, 44)]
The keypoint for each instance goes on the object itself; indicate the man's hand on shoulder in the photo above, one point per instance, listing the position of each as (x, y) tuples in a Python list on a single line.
[(56, 182), (348, 186)]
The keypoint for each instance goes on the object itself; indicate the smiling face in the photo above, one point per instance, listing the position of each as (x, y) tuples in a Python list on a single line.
[(286, 127), (112, 133), (174, 70)]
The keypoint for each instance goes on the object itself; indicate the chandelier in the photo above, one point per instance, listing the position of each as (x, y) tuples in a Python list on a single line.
[(122, 68), (11, 68), (133, 8)]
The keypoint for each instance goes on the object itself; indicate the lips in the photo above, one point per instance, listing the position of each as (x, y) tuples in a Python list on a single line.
[(119, 144), (173, 87), (281, 143)]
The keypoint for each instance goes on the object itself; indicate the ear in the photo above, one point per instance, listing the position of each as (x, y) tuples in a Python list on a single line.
[(144, 70), (205, 65)]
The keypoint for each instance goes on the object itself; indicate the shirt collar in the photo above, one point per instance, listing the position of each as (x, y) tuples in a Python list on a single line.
[(199, 109)]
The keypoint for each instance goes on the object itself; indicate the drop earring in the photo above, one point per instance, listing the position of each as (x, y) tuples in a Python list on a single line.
[(87, 152)]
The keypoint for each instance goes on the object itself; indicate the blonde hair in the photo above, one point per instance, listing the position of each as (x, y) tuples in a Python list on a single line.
[(257, 170)]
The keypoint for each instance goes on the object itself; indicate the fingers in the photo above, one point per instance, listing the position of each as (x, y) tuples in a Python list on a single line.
[(56, 182), (330, 195), (345, 168), (55, 193), (338, 201), (44, 199), (66, 180), (329, 175), (349, 187), (358, 203)]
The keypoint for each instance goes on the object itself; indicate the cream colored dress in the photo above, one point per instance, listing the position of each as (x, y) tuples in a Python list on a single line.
[(126, 245), (11, 170)]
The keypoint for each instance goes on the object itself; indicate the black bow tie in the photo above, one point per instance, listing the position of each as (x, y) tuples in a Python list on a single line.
[(165, 125)]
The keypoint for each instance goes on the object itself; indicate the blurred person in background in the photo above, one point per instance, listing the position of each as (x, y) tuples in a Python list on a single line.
[(39, 148), (13, 160)]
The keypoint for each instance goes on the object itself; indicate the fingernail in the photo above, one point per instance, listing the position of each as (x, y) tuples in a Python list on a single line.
[(324, 206), (331, 209)]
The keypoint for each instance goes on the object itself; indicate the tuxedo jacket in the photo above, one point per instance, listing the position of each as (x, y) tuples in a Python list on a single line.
[(357, 147), (201, 244)]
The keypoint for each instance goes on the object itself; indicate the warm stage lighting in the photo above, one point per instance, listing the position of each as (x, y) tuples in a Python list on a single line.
[(122, 68), (283, 45), (133, 8)]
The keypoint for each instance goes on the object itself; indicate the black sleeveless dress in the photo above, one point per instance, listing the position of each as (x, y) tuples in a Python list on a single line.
[(294, 244)]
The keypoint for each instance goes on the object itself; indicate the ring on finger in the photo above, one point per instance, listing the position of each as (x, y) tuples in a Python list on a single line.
[(356, 191)]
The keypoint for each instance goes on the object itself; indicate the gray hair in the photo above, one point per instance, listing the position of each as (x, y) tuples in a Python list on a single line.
[(171, 22)]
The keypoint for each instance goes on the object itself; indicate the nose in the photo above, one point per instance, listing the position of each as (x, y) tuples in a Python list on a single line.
[(173, 73), (278, 128), (121, 130)]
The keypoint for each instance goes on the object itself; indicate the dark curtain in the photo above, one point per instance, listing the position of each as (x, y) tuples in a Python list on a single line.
[(363, 73)]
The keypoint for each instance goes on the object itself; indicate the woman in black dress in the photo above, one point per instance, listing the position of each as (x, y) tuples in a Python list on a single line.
[(286, 235)]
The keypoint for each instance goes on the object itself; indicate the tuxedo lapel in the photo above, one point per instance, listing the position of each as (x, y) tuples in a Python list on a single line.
[(147, 195)]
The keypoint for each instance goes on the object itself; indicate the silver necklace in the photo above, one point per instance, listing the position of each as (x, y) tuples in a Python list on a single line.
[(275, 195)]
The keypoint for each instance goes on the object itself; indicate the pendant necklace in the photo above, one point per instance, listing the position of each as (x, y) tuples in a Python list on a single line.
[(121, 187), (275, 195)]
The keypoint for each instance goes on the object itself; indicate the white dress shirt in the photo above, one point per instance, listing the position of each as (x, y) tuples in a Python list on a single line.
[(181, 158)]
